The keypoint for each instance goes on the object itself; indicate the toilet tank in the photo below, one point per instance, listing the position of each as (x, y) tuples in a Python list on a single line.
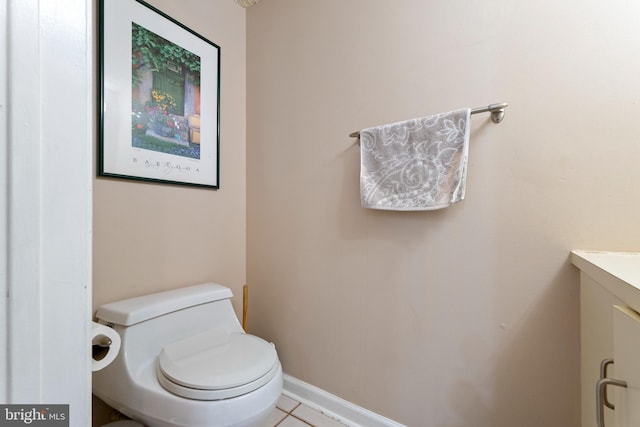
[(148, 322), (139, 309)]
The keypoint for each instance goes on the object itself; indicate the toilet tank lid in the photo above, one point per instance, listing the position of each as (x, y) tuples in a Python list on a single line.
[(138, 309)]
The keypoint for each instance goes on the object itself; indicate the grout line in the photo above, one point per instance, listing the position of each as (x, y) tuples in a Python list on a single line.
[(300, 419), (294, 408), (306, 423), (293, 416), (282, 420), (289, 414)]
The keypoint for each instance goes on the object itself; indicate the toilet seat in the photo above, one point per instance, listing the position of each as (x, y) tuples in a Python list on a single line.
[(216, 365)]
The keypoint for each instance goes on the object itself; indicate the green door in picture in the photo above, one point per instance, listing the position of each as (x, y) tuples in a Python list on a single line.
[(171, 80)]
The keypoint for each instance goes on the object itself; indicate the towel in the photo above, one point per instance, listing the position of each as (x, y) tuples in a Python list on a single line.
[(418, 164)]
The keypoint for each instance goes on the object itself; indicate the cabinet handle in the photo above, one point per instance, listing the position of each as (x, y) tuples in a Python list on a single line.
[(601, 388), (603, 374)]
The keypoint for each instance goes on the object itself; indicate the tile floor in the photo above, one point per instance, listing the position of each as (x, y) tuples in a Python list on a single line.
[(291, 413)]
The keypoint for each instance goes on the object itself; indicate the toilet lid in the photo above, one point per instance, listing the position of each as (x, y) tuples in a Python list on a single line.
[(217, 360)]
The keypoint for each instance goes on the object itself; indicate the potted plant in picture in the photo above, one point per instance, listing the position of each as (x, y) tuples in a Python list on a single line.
[(139, 119), (158, 109)]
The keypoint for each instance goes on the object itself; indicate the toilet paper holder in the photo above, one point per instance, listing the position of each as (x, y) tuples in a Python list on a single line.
[(100, 346), (105, 345)]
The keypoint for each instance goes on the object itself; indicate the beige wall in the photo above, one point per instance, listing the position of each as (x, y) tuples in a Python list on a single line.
[(455, 318), (150, 237)]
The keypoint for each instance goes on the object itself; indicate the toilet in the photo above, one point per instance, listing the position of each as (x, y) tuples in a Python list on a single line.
[(186, 361)]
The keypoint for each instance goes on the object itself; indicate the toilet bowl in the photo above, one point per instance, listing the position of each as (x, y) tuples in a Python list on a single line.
[(185, 361)]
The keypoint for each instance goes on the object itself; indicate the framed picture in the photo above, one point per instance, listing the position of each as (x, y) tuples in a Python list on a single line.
[(159, 98)]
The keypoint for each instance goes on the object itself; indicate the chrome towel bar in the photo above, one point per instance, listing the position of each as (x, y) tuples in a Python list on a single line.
[(496, 110)]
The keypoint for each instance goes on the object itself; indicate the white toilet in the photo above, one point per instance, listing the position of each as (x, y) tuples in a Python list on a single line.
[(185, 361)]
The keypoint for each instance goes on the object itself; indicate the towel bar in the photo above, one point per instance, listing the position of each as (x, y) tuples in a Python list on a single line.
[(496, 110)]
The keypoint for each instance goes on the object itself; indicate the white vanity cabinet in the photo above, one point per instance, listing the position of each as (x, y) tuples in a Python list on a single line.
[(610, 332), (626, 353)]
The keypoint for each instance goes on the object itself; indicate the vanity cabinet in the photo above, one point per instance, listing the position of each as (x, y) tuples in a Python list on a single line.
[(626, 354), (610, 331)]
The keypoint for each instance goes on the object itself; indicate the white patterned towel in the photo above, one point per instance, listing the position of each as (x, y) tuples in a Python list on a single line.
[(418, 164)]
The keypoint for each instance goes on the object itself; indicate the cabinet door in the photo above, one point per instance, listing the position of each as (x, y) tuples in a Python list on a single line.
[(626, 350)]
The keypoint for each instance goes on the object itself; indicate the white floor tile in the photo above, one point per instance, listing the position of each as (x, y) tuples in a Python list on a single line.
[(314, 417), (286, 403), (276, 416), (292, 422)]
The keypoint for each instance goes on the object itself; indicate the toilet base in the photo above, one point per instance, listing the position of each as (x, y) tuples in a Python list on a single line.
[(159, 408), (124, 423)]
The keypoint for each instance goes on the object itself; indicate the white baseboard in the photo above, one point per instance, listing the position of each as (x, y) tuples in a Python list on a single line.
[(333, 406)]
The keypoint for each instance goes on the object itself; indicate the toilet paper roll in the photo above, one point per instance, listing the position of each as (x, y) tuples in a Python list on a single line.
[(105, 345)]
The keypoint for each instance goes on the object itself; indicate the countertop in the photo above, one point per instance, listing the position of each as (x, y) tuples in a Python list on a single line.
[(618, 272)]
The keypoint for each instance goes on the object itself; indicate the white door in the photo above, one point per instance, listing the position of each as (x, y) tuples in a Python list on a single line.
[(626, 355), (46, 140)]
